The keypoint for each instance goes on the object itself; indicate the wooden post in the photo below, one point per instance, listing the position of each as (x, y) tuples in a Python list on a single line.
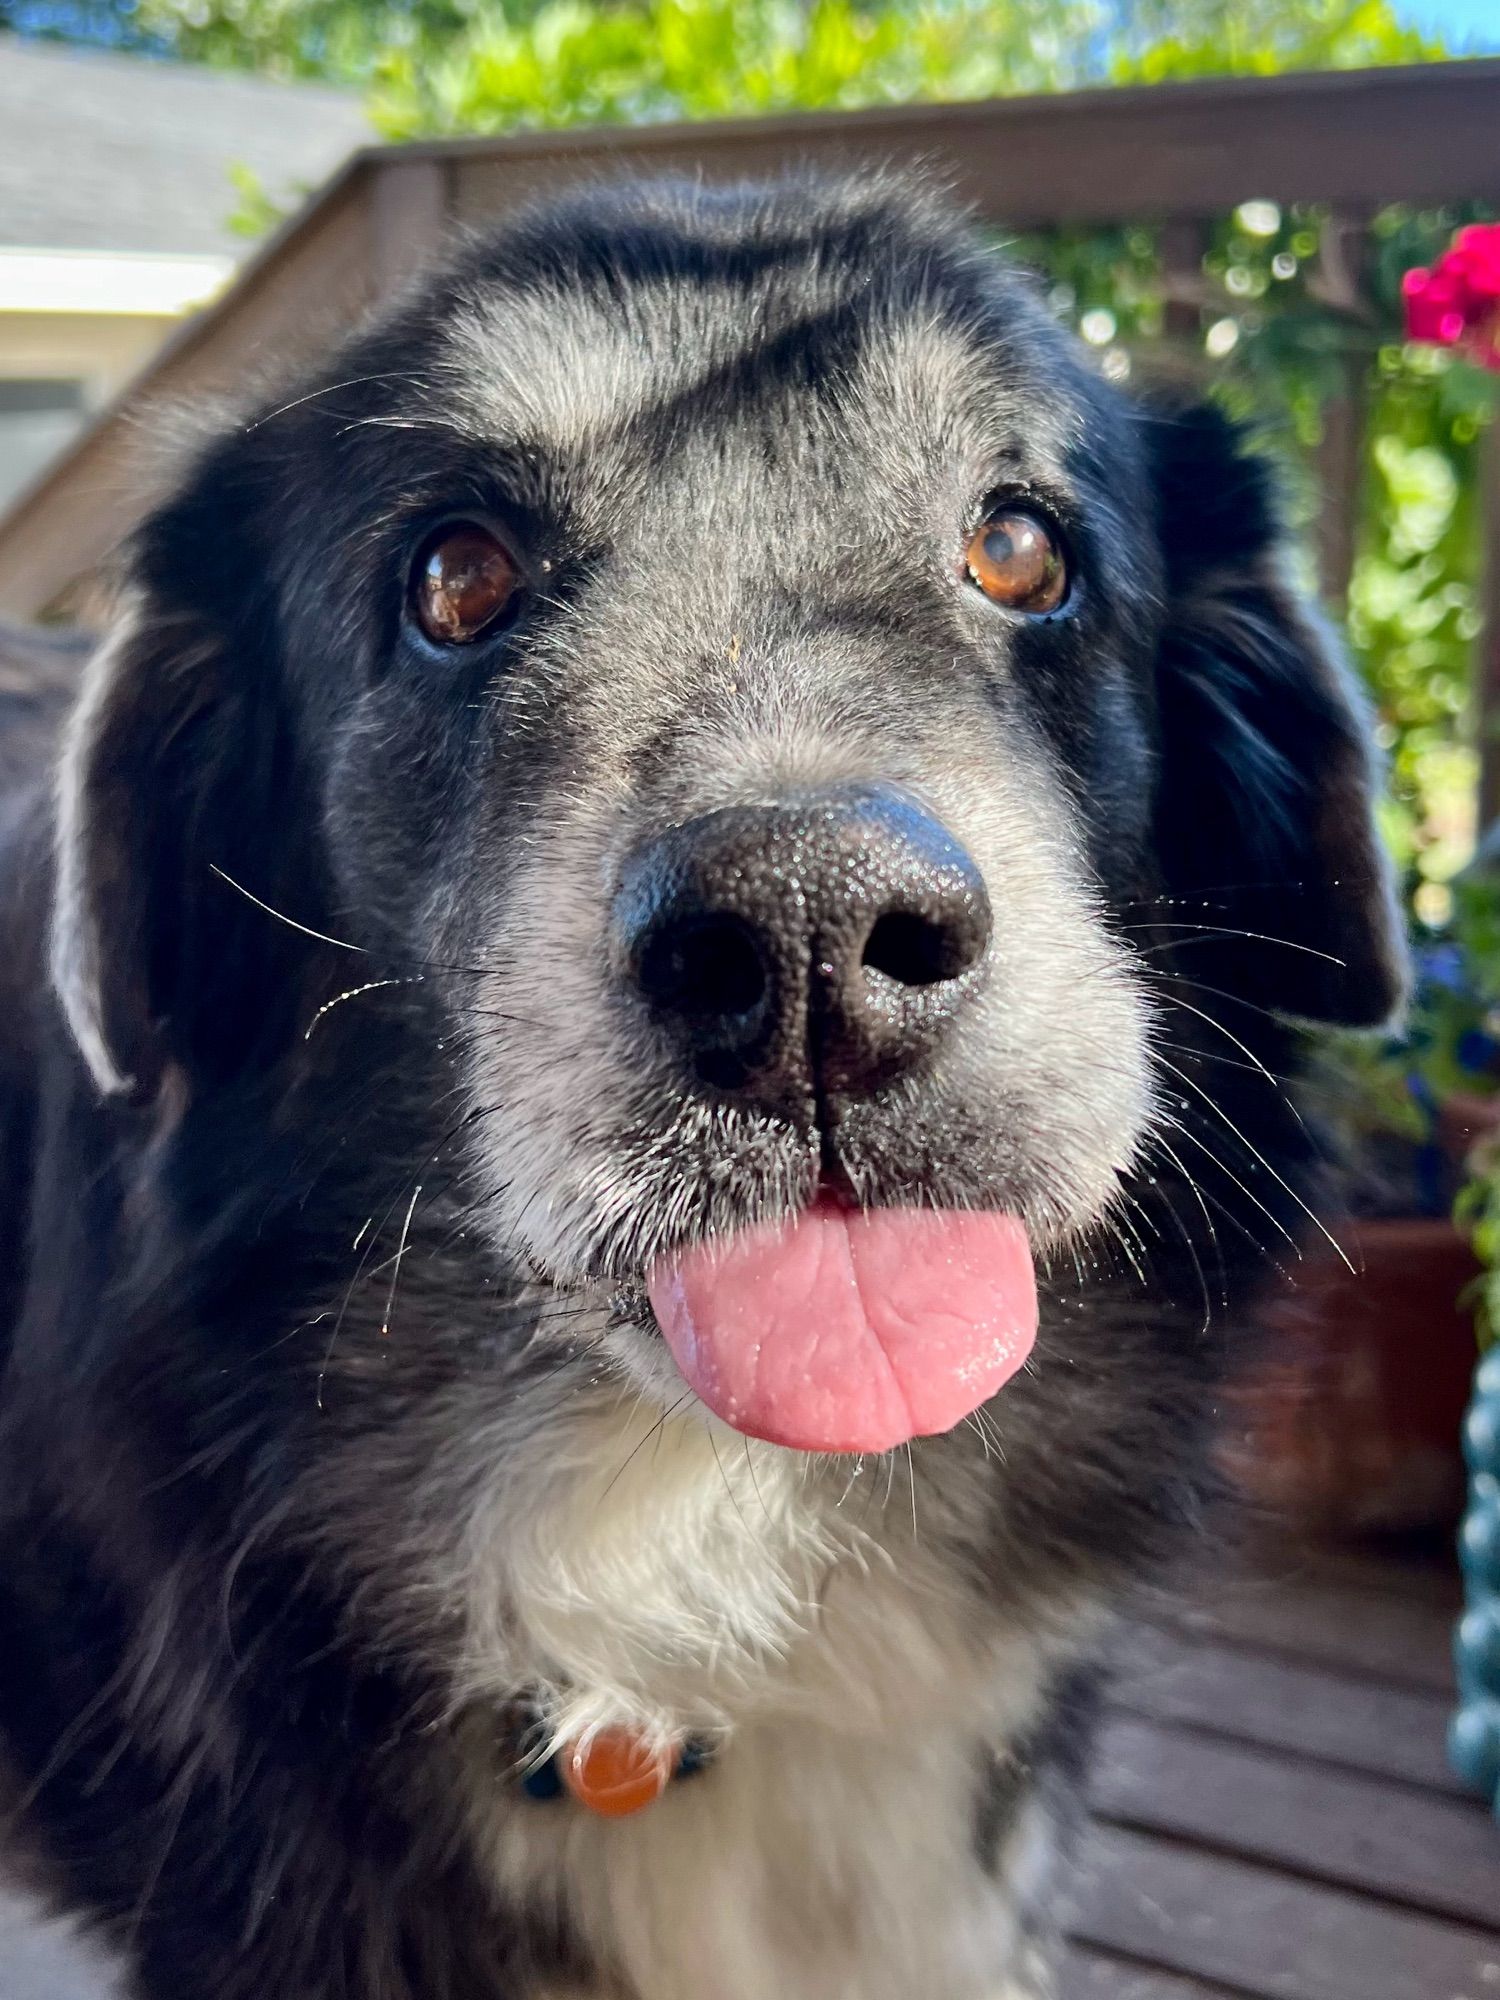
[(1487, 665), (1340, 458), (1341, 467), (411, 217), (1181, 247)]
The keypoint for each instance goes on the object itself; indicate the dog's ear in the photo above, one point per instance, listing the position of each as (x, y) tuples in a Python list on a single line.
[(1264, 811), (176, 766)]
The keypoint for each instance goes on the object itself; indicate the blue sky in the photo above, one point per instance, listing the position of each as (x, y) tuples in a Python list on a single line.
[(1476, 20)]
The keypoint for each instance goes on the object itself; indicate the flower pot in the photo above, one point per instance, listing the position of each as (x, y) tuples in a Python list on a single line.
[(1348, 1418)]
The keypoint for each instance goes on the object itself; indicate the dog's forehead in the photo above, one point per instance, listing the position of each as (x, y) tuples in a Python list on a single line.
[(591, 369)]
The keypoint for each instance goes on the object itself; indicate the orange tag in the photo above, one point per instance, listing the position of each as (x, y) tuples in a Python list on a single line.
[(615, 1773)]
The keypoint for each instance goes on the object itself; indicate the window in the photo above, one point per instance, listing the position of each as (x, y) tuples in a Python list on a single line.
[(37, 418)]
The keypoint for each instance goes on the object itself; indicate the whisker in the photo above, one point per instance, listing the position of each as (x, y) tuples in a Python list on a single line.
[(1158, 1139), (644, 1440), (343, 944), (755, 1483), (854, 1472), (281, 917), (353, 993), (1248, 1192), (1209, 931), (1255, 1153), (1192, 1250), (1190, 1052), (390, 1302), (1202, 1014), (713, 1443), (348, 1297), (1236, 1222), (314, 395), (1114, 1227), (1219, 993)]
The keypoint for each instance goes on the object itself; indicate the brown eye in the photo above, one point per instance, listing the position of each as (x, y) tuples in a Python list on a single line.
[(1016, 559), (464, 579)]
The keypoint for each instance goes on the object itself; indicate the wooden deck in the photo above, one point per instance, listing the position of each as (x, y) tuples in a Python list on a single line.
[(1274, 1818)]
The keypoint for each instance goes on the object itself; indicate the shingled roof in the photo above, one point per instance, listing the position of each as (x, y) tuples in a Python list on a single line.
[(125, 153)]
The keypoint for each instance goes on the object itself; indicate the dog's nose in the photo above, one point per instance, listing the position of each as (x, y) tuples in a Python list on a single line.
[(814, 946)]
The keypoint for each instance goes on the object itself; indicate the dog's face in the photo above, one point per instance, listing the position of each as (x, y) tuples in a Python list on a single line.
[(739, 656)]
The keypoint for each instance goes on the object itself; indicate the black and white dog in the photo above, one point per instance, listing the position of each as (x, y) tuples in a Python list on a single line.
[(672, 912)]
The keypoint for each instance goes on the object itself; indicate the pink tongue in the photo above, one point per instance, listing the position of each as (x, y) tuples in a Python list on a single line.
[(851, 1332)]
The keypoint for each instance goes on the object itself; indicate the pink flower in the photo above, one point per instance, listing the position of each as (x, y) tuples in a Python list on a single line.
[(1457, 302)]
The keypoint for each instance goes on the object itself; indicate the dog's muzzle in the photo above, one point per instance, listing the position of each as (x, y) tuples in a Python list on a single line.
[(818, 946)]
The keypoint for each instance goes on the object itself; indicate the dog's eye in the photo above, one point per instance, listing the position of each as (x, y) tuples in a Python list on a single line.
[(1016, 559), (464, 579)]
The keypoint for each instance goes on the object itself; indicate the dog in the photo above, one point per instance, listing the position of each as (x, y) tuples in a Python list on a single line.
[(651, 995)]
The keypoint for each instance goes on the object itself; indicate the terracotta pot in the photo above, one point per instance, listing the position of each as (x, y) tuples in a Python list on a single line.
[(1463, 1119), (1348, 1420)]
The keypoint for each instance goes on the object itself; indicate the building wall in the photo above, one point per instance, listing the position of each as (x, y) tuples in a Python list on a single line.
[(56, 370)]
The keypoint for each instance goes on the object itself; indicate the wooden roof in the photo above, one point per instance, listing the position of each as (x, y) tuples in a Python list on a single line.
[(1354, 139)]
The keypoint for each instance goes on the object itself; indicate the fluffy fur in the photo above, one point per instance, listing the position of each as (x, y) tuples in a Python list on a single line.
[(338, 1448)]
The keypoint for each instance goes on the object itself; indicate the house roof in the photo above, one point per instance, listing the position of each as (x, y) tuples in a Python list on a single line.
[(127, 153)]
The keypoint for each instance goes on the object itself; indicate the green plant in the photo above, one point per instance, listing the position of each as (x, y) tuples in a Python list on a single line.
[(1400, 1105)]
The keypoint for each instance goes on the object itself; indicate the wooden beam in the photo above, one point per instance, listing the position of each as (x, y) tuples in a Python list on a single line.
[(1352, 138)]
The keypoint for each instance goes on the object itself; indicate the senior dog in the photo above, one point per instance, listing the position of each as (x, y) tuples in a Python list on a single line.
[(639, 1095)]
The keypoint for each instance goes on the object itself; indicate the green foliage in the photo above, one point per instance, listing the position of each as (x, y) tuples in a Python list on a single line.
[(336, 41), (257, 211), (1165, 40), (1414, 613), (1285, 328), (485, 65), (580, 61), (1478, 1215), (1478, 1207)]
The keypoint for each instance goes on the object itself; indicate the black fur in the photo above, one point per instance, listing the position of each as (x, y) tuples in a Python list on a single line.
[(229, 1728)]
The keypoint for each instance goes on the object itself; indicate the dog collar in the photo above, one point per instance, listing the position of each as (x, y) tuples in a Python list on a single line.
[(613, 1772)]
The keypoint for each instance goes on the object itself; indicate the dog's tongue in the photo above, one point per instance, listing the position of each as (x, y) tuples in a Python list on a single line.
[(851, 1332)]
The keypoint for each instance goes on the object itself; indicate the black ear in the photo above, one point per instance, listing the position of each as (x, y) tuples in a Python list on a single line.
[(178, 765), (1267, 781)]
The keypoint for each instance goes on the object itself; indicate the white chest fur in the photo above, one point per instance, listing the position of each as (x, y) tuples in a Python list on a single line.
[(689, 1583), (44, 1956), (800, 1868)]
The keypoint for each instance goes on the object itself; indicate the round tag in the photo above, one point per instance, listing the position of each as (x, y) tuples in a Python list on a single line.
[(615, 1773)]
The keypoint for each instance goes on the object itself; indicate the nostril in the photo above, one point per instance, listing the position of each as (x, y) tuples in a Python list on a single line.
[(709, 967), (918, 951), (820, 945)]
